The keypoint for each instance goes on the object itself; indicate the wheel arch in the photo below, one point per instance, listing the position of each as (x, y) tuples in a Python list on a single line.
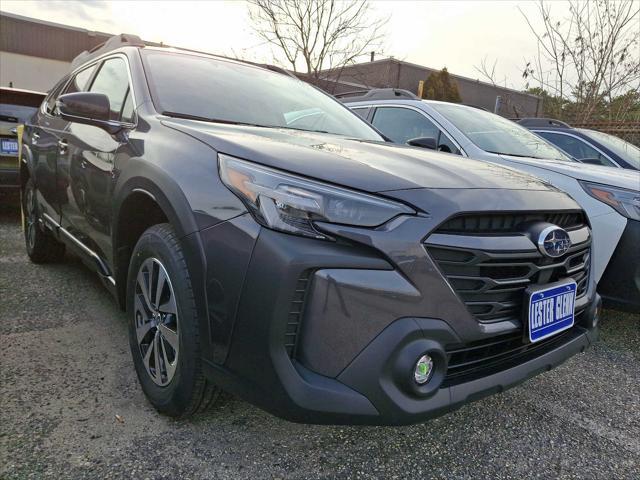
[(140, 203), (26, 165)]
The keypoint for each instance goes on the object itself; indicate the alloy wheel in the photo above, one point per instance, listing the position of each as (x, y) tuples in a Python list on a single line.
[(156, 321)]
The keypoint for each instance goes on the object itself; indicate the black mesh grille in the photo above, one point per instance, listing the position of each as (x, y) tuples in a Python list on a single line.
[(479, 359), (492, 284), (295, 313), (501, 223)]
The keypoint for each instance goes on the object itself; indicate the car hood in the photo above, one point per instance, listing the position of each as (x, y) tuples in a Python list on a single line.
[(616, 177), (367, 166)]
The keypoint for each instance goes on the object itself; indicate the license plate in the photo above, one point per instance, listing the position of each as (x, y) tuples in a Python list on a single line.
[(9, 147), (551, 309)]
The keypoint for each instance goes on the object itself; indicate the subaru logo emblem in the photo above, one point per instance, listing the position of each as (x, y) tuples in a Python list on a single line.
[(554, 242)]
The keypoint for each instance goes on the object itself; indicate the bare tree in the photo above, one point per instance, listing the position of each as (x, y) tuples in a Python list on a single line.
[(318, 34), (589, 58), (488, 72)]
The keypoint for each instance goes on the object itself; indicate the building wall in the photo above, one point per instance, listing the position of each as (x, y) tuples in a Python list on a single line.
[(38, 38), (397, 74), (30, 73)]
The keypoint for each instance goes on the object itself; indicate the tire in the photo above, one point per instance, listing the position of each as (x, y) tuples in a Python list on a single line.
[(40, 244), (161, 319)]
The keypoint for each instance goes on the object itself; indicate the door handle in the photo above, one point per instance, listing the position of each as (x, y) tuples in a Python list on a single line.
[(62, 146), (35, 136)]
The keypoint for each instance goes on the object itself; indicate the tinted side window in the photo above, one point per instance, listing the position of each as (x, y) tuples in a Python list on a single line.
[(575, 147), (80, 81), (50, 101), (127, 109), (113, 81), (361, 111), (402, 124), (446, 145)]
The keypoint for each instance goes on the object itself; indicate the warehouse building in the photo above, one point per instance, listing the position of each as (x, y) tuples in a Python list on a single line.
[(35, 54), (390, 72)]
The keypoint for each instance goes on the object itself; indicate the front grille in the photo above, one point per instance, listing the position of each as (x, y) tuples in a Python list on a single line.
[(477, 256), (492, 284), (501, 223), (296, 311), (479, 359)]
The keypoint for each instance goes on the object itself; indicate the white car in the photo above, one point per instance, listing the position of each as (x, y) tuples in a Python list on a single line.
[(610, 197)]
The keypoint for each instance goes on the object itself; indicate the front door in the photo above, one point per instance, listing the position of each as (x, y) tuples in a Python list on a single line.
[(86, 163)]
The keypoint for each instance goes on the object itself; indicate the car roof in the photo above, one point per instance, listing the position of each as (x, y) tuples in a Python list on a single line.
[(407, 101), (541, 122), (124, 42)]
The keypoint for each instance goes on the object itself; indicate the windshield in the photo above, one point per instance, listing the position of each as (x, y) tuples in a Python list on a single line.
[(629, 152), (495, 134), (225, 91)]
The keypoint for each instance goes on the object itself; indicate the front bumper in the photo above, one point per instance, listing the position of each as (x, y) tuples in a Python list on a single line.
[(327, 332), (374, 388), (620, 283)]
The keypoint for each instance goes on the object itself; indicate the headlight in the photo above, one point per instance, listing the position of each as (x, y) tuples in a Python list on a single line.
[(625, 202), (291, 204)]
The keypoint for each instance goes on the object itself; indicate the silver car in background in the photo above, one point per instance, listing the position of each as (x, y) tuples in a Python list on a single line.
[(611, 197)]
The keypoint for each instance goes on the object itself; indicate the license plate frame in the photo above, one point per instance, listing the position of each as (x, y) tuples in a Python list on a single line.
[(557, 299)]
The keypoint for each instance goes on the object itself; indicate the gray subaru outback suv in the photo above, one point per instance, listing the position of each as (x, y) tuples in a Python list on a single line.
[(265, 240)]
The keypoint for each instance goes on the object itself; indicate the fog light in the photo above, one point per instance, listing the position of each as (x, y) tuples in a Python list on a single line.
[(423, 370)]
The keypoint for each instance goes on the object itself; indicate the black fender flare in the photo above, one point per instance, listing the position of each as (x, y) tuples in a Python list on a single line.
[(147, 178), (26, 161)]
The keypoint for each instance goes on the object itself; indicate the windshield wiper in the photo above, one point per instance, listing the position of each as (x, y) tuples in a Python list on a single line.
[(303, 129), (517, 155), (188, 116)]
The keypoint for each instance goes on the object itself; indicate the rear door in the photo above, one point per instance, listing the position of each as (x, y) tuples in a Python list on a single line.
[(86, 160), (41, 139)]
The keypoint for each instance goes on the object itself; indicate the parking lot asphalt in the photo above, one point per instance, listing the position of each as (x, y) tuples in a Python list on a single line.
[(71, 407)]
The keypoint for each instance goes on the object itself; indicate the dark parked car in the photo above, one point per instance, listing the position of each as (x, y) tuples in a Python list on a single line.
[(587, 146), (265, 240), (16, 106)]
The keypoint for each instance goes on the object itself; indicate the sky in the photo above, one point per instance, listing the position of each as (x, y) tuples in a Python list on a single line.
[(456, 34)]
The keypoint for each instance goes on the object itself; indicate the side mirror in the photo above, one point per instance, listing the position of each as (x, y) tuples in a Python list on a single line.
[(424, 142), (88, 108)]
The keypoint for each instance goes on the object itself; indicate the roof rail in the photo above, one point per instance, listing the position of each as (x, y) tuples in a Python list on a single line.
[(376, 94), (541, 122), (479, 107), (273, 68), (114, 42)]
